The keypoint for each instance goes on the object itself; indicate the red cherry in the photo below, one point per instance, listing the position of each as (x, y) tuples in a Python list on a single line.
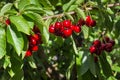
[(58, 25), (88, 21), (106, 39), (36, 36), (102, 47), (92, 49), (34, 48), (33, 41), (92, 23), (81, 22), (52, 29), (7, 22), (97, 43), (72, 27), (36, 29), (28, 53), (67, 33), (67, 23), (77, 29), (108, 47), (112, 42)]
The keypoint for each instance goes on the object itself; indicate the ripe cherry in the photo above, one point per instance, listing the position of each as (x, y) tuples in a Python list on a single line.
[(81, 22), (108, 47), (28, 53), (34, 48), (7, 22), (67, 33), (58, 25), (33, 41), (88, 21), (92, 23), (97, 43), (112, 42), (92, 49), (52, 29), (67, 23), (36, 36), (72, 27), (77, 29), (102, 47)]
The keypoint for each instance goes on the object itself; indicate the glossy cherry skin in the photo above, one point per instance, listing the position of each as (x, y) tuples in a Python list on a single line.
[(81, 22), (92, 49), (77, 29), (67, 33), (36, 36), (88, 21), (67, 23), (51, 29), (93, 23), (33, 41), (58, 25), (97, 43), (34, 48), (28, 53)]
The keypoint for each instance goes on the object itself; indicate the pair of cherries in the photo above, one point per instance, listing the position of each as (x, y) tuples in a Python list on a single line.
[(88, 22), (64, 28)]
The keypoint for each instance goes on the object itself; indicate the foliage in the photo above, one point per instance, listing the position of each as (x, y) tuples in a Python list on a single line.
[(57, 57)]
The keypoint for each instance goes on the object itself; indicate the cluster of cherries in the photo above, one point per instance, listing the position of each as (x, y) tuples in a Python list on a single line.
[(66, 28), (98, 46), (34, 41)]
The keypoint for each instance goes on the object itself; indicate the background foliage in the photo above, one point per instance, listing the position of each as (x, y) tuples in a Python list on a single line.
[(57, 58)]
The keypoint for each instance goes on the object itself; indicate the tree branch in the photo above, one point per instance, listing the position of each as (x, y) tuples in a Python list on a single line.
[(73, 12)]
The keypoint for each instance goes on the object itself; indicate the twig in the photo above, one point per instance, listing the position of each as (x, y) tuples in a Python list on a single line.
[(73, 12)]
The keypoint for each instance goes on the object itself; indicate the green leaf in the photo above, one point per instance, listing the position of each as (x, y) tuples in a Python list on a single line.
[(2, 42), (15, 39), (23, 3), (69, 16), (47, 4), (80, 13), (85, 63), (92, 65), (5, 8), (34, 8), (78, 2), (72, 7), (117, 28), (105, 66), (41, 25), (21, 24), (67, 5), (116, 68), (6, 62), (31, 62), (85, 31)]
